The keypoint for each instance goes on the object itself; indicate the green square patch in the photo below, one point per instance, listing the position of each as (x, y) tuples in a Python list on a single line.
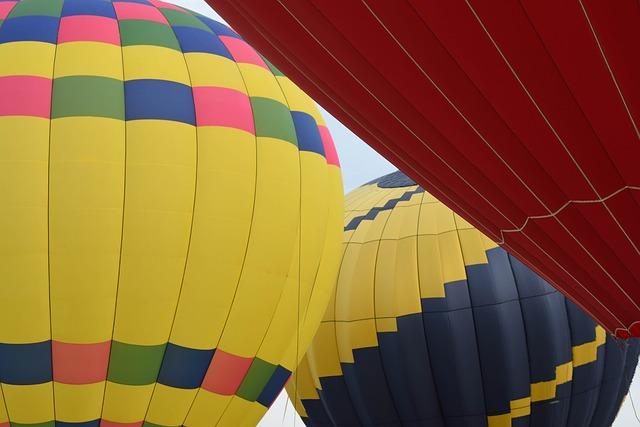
[(273, 119), (134, 364), (272, 67), (255, 380), (181, 19), (37, 8), (87, 96), (136, 32)]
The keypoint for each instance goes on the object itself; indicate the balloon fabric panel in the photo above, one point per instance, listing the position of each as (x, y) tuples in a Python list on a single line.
[(159, 178), (525, 123), (433, 324)]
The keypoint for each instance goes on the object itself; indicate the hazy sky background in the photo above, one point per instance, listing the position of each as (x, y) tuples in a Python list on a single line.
[(361, 164)]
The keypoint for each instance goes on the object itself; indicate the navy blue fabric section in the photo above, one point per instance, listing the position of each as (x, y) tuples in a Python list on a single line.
[(583, 328), (160, 100), (529, 284), (548, 335), (307, 133), (337, 401), (456, 298), (453, 351), (274, 386), (317, 414), (368, 388), (615, 356), (393, 180), (408, 371), (25, 363), (197, 40), (373, 212), (494, 282), (93, 423), (184, 367), (549, 413), (30, 28), (88, 7), (217, 27)]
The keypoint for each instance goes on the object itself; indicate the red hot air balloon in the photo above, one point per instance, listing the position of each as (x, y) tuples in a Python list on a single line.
[(522, 116)]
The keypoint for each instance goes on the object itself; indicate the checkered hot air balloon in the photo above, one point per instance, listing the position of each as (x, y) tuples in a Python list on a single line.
[(170, 217), (432, 324)]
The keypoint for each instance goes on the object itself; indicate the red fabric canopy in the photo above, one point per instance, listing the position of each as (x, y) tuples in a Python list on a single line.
[(522, 116)]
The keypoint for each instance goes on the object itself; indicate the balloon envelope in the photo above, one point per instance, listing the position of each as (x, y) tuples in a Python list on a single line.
[(522, 120), (432, 324), (170, 217)]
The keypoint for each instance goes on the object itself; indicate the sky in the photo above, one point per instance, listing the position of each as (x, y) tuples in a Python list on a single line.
[(361, 164)]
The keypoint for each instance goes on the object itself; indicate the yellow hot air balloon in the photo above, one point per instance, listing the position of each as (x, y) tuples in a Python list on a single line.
[(170, 212)]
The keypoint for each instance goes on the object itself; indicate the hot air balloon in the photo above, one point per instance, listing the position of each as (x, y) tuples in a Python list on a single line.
[(433, 324), (170, 212), (522, 116)]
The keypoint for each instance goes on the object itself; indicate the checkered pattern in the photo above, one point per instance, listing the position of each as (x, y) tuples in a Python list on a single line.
[(157, 176)]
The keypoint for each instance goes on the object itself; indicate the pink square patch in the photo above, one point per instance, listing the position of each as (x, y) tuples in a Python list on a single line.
[(218, 106), (143, 12), (5, 8), (242, 52), (25, 96), (89, 28), (164, 5), (225, 373)]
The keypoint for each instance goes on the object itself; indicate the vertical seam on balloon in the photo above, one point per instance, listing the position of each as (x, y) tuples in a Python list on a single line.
[(599, 388), (375, 323), (124, 198), (606, 61), (568, 153), (399, 159), (422, 318), (53, 73), (193, 212), (473, 314), (498, 156), (4, 400), (524, 327), (570, 382), (451, 168), (244, 258)]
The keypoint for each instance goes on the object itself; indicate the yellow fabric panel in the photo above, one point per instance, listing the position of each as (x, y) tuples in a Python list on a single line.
[(281, 340), (369, 231), (159, 197), (169, 405), (473, 248), (207, 409), (546, 390), (355, 334), (354, 297), (78, 403), (314, 210), (3, 409), (435, 218), (327, 273), (402, 221), (221, 224), (588, 352), (213, 70), (242, 412), (386, 324), (27, 59), (298, 100), (29, 404), (24, 151), (88, 59), (520, 407), (415, 199), (260, 82), (302, 385), (324, 360), (271, 245), (503, 420), (86, 197), (126, 403), (433, 275), (154, 62)]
